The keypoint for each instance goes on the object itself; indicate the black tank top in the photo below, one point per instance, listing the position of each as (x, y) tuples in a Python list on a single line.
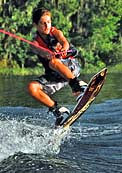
[(50, 74)]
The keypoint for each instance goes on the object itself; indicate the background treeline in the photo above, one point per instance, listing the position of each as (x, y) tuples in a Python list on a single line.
[(93, 26)]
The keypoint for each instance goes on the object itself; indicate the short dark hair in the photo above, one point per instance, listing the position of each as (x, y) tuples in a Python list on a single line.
[(38, 13)]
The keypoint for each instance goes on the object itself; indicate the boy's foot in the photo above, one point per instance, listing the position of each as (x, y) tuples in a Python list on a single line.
[(84, 87), (78, 87), (58, 113), (59, 120)]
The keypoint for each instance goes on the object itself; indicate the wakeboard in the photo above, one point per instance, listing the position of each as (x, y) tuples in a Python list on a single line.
[(92, 90)]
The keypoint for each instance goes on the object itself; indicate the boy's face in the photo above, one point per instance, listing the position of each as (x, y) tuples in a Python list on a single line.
[(44, 24)]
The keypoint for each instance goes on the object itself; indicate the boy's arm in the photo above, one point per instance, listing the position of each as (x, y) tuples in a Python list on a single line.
[(62, 40)]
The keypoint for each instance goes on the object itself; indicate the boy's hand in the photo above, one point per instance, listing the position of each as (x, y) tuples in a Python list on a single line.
[(64, 53)]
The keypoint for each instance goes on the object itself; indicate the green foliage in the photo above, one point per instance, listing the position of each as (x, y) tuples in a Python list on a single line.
[(6, 63), (17, 19), (95, 28), (20, 71), (61, 22), (101, 41), (102, 35), (115, 69), (104, 30)]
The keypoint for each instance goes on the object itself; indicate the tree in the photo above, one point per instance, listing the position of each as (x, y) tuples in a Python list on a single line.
[(94, 27), (16, 17), (99, 31)]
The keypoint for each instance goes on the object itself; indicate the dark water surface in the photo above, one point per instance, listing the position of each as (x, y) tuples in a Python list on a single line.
[(29, 144)]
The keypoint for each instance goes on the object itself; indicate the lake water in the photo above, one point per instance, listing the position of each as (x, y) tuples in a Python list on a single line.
[(29, 144)]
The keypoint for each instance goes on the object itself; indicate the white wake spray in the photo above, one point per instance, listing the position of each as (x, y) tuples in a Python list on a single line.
[(27, 138)]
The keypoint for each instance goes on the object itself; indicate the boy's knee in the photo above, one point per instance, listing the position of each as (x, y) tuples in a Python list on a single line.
[(54, 62), (33, 87)]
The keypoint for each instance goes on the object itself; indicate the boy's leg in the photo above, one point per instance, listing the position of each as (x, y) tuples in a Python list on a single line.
[(74, 83), (62, 69), (36, 90)]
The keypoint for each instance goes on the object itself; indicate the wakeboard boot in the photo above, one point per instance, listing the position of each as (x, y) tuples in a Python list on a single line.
[(78, 87), (58, 113)]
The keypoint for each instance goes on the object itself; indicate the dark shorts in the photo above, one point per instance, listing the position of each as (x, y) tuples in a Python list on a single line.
[(53, 82), (50, 87)]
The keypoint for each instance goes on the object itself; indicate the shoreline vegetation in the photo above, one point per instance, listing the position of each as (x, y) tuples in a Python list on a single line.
[(39, 70), (94, 29)]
